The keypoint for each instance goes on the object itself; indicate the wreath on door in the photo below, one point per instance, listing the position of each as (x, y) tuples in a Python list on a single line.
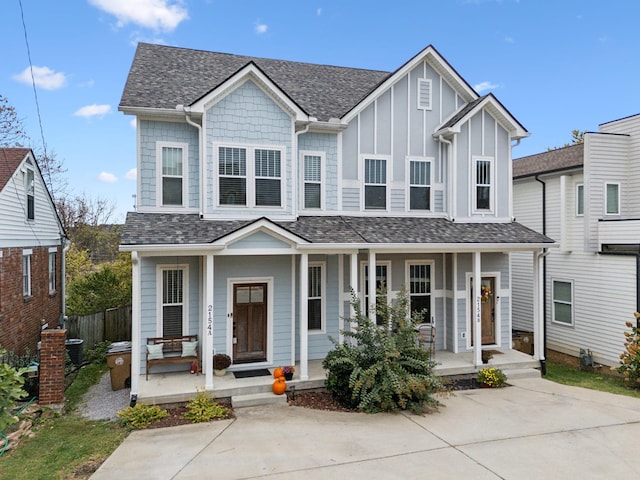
[(485, 293)]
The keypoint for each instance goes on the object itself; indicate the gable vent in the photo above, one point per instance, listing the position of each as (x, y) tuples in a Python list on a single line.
[(424, 93)]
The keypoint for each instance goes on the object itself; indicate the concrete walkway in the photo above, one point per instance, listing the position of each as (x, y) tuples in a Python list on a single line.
[(535, 429)]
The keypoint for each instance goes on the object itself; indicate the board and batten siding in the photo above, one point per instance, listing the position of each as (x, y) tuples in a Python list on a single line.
[(16, 230)]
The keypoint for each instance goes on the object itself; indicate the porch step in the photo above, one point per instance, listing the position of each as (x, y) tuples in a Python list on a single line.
[(515, 373), (253, 399)]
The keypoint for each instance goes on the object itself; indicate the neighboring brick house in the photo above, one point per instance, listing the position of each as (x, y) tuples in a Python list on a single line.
[(32, 242)]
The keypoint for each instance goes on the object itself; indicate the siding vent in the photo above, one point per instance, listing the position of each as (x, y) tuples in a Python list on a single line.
[(424, 93)]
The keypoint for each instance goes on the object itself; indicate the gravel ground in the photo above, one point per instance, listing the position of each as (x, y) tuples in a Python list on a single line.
[(101, 402)]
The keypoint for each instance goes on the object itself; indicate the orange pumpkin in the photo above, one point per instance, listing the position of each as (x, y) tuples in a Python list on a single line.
[(277, 373), (279, 386)]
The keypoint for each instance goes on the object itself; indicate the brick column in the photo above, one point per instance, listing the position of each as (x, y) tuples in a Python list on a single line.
[(52, 356)]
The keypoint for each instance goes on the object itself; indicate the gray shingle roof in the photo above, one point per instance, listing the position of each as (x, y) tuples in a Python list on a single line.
[(163, 77), (179, 229), (551, 161)]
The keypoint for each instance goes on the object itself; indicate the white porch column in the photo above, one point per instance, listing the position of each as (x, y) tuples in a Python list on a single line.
[(208, 324), (538, 306), (371, 307), (136, 341), (476, 309), (304, 307)]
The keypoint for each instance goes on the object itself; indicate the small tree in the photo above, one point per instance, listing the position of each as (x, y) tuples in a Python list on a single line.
[(383, 368), (630, 358)]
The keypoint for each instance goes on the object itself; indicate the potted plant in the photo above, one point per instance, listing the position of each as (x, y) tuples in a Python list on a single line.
[(288, 370), (221, 362), (492, 377)]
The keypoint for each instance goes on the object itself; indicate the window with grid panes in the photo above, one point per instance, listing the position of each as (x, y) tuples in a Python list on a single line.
[(483, 184), (375, 184), (315, 298), (172, 302), (381, 288), (172, 176), (312, 181), (419, 185), (420, 289), (232, 171), (267, 173), (563, 302)]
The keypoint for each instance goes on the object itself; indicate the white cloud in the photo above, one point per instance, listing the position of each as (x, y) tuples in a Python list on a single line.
[(107, 177), (483, 86), (319, 12), (131, 174), (43, 77), (261, 28), (163, 15), (133, 123), (94, 110)]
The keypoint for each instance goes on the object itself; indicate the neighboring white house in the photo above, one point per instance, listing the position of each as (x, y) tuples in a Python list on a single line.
[(268, 189), (587, 198)]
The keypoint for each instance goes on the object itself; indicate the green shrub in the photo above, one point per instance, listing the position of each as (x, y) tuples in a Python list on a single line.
[(630, 358), (141, 415), (382, 368), (11, 382), (31, 384), (98, 354), (203, 409)]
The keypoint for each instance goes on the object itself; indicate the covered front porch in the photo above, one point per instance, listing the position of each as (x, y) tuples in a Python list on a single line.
[(177, 387)]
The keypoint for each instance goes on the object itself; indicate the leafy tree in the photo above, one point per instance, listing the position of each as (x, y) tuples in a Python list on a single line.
[(382, 368), (11, 130), (630, 358), (577, 138)]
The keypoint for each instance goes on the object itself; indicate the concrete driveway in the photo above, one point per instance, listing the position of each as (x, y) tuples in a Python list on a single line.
[(535, 429)]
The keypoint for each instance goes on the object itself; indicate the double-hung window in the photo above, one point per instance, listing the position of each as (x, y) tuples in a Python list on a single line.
[(612, 198), (52, 270), (232, 168), (312, 181), (563, 302), (483, 183), (420, 289), (268, 177), (173, 297), (30, 190), (419, 185), (579, 199), (375, 184), (172, 173), (26, 272), (315, 320)]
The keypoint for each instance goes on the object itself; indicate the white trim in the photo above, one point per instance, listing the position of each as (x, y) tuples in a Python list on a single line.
[(492, 184), (421, 83), (250, 176), (432, 292), (323, 180), (323, 297), (185, 175), (231, 282), (572, 304), (185, 295), (408, 185), (606, 195), (387, 185)]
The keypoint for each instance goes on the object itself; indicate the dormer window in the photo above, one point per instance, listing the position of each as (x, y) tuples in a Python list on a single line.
[(173, 182)]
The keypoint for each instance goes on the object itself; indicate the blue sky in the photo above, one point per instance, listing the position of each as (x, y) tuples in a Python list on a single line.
[(556, 65)]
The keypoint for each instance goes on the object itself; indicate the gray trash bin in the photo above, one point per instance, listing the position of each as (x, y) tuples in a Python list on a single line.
[(74, 347)]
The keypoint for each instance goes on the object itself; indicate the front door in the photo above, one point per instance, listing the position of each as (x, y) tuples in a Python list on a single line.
[(487, 310), (249, 323)]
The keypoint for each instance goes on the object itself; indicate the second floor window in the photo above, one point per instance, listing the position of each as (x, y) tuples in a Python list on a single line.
[(375, 184), (579, 199), (483, 184), (312, 181), (268, 189), (419, 185), (172, 176), (30, 189), (612, 192), (232, 167)]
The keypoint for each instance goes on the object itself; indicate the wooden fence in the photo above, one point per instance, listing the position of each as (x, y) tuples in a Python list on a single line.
[(113, 324)]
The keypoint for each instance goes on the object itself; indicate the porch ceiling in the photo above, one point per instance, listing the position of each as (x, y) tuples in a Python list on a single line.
[(159, 229)]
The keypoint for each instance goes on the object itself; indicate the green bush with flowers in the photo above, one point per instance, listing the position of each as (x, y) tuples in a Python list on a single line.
[(492, 376)]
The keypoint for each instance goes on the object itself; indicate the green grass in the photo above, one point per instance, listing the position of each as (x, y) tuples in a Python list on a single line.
[(597, 380), (65, 446)]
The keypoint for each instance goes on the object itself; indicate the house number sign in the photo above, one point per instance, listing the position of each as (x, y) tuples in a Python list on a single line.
[(210, 320)]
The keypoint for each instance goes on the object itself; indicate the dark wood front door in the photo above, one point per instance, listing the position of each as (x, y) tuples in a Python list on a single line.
[(249, 322), (487, 310)]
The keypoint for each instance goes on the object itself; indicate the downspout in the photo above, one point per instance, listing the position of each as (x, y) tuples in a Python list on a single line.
[(63, 273), (201, 161), (543, 363)]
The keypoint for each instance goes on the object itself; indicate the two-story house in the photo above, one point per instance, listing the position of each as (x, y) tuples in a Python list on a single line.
[(268, 190), (32, 242), (585, 197)]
